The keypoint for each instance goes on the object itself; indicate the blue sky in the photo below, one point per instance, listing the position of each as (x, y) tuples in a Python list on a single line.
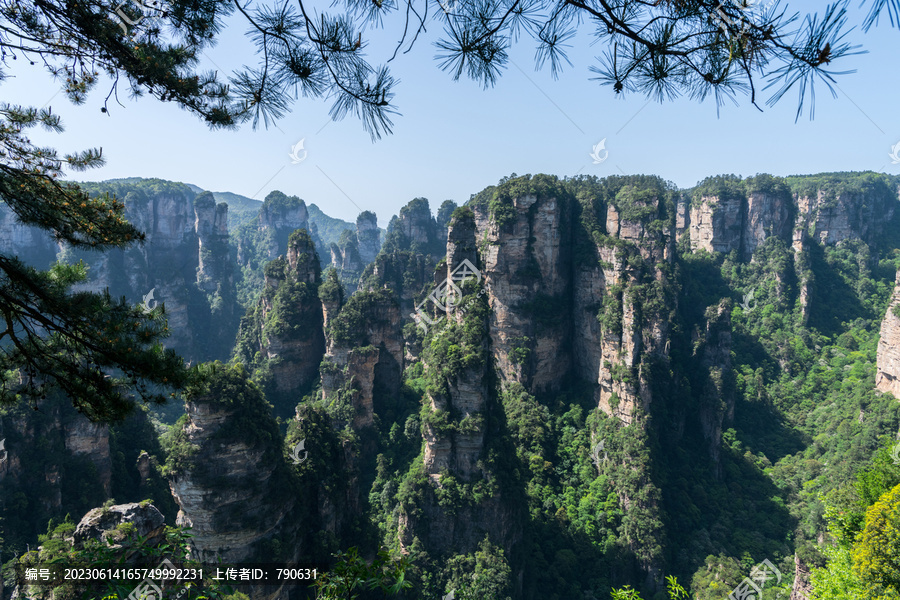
[(455, 138)]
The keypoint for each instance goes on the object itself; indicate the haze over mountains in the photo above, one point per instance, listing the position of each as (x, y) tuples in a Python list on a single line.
[(636, 381)]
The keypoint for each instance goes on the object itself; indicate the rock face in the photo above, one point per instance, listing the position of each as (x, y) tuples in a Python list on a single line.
[(802, 588), (100, 522), (368, 236), (527, 269), (233, 491), (279, 216), (614, 336), (415, 229), (285, 328), (735, 215), (887, 377), (416, 223), (716, 224), (346, 261), (65, 435), (211, 225), (466, 397), (91, 440), (364, 349), (740, 222), (354, 251), (717, 395), (831, 217), (30, 243), (458, 409), (183, 263)]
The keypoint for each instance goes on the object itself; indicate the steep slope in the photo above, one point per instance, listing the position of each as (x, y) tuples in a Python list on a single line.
[(281, 339), (228, 474)]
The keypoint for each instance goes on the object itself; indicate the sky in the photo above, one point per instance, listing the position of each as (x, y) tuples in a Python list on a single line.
[(454, 138)]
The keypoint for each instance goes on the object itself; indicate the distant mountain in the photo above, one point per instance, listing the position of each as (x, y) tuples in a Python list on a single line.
[(241, 209), (329, 228)]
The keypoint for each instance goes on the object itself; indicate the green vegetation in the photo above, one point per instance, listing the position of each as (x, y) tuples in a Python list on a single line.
[(123, 549)]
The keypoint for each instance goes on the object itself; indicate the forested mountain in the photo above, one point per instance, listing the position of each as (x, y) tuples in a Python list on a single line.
[(559, 389)]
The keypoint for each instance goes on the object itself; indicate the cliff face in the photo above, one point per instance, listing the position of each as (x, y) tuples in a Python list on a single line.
[(184, 263), (368, 236), (727, 214), (283, 333), (717, 395), (526, 267), (458, 406), (345, 259), (266, 237), (466, 394), (31, 244), (831, 217), (279, 216), (887, 377), (233, 488), (49, 453), (614, 332), (91, 440), (723, 224), (364, 349)]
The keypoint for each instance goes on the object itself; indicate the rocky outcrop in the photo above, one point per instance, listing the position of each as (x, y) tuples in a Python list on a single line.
[(284, 332), (416, 223), (115, 527), (682, 217), (364, 350), (279, 216), (183, 264), (832, 216), (415, 229), (717, 391), (91, 440), (102, 522), (211, 225), (739, 222), (233, 490), (802, 588), (346, 261), (616, 335), (729, 214), (716, 223), (526, 265), (466, 395), (368, 236), (64, 435), (887, 376)]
